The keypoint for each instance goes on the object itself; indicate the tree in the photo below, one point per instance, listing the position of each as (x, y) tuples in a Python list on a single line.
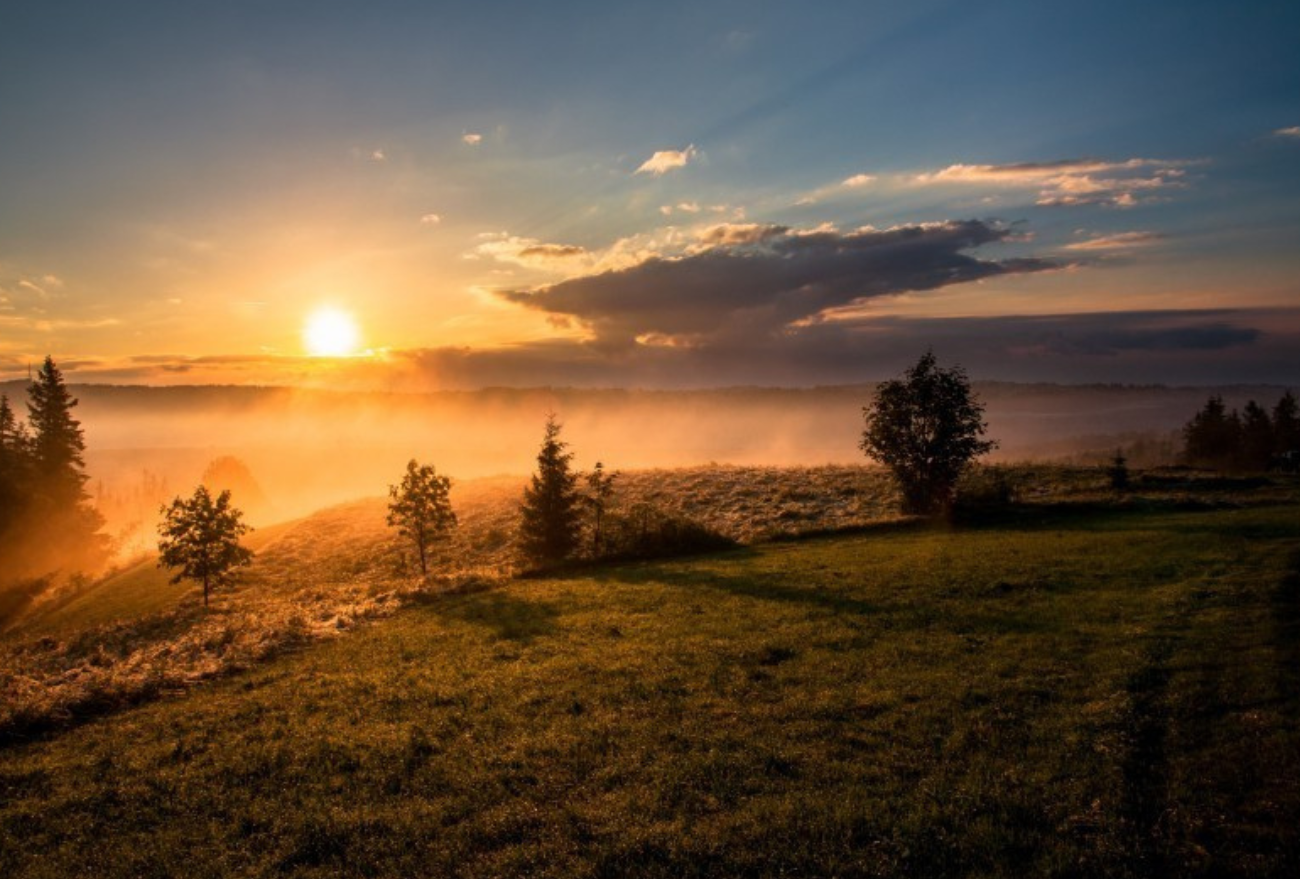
[(15, 460), (926, 428), (1118, 471), (200, 536), (1257, 438), (550, 527), (58, 445), (600, 490), (420, 508), (1213, 436), (1286, 424)]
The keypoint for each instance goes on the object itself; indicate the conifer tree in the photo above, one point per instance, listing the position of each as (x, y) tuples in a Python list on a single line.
[(1256, 437), (14, 466), (550, 527), (1286, 424), (57, 446)]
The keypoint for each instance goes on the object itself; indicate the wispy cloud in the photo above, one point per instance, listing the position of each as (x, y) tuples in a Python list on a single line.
[(533, 253), (378, 155), (664, 161), (431, 219), (1117, 241), (1071, 182), (858, 180), (472, 138)]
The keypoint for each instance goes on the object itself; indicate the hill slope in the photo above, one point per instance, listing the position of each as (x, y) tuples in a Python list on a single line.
[(1095, 693)]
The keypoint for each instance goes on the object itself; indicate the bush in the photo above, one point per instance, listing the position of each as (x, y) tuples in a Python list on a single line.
[(646, 532)]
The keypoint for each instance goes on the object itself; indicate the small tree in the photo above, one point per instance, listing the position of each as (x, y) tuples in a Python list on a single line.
[(200, 536), (420, 508), (600, 490), (926, 428), (1118, 471), (550, 527)]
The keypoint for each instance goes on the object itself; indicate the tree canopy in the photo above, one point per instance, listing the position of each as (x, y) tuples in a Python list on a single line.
[(420, 508), (926, 427), (200, 537), (551, 526)]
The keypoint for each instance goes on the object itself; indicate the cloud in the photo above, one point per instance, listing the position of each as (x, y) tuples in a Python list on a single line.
[(1293, 131), (1072, 182), (431, 219), (664, 161), (759, 280), (378, 155), (472, 138), (858, 180), (1118, 241), (532, 253)]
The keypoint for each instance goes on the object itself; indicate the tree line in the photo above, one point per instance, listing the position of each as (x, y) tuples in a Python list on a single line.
[(47, 523), (1249, 440), (925, 427)]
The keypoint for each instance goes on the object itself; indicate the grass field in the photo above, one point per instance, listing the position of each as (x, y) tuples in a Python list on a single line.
[(1075, 693)]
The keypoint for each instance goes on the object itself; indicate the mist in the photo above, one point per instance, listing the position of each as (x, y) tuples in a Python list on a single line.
[(307, 449)]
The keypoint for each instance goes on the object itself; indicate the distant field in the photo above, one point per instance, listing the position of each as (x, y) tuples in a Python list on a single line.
[(1077, 692)]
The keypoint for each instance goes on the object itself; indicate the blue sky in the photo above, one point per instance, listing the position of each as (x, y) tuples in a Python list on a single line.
[(663, 194)]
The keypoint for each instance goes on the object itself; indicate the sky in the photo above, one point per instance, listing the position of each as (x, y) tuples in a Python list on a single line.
[(405, 195)]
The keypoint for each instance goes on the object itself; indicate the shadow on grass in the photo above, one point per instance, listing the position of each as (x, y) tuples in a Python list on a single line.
[(1286, 622), (508, 616), (774, 587)]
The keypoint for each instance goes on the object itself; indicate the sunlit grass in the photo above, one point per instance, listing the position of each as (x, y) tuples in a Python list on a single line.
[(1095, 693)]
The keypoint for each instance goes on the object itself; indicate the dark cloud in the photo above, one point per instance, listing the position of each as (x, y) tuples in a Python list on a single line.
[(756, 280)]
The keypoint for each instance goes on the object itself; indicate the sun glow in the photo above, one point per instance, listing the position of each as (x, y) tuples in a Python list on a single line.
[(330, 333)]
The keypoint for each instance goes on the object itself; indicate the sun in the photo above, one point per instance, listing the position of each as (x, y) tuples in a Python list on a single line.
[(330, 333)]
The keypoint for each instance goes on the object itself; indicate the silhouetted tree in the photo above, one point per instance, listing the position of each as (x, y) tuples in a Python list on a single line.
[(15, 462), (1257, 438), (58, 445), (1118, 471), (420, 508), (200, 536), (550, 526), (1286, 424), (51, 525), (926, 428), (600, 490), (1213, 436)]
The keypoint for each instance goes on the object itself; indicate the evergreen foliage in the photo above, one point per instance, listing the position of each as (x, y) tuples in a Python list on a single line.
[(926, 428), (200, 536), (1286, 424), (1250, 440), (58, 445), (420, 508), (551, 526), (47, 524)]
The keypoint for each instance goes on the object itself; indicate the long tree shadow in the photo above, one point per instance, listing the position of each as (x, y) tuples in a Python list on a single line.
[(507, 616), (764, 587)]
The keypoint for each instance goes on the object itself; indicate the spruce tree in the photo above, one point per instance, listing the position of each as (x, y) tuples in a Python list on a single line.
[(550, 528), (1286, 424), (15, 485), (58, 446)]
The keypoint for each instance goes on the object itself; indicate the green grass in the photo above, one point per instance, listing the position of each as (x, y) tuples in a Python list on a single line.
[(138, 591), (1113, 693)]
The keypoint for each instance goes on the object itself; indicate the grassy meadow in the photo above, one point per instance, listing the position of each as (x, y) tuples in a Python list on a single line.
[(1078, 690)]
